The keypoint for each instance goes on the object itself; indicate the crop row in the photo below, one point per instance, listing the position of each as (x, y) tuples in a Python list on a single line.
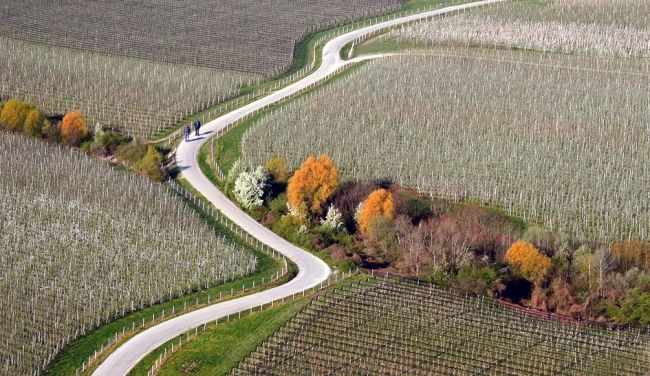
[(136, 96), (607, 28), (391, 327), (83, 244), (555, 139), (244, 35)]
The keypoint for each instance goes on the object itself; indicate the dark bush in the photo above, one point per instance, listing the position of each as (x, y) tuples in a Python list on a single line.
[(132, 152), (107, 143)]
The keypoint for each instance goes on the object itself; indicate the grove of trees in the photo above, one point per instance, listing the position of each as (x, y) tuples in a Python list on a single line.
[(471, 248)]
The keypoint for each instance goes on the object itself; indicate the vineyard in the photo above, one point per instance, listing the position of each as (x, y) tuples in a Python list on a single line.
[(83, 243), (387, 327), (244, 35), (142, 68), (138, 97), (557, 139), (600, 27)]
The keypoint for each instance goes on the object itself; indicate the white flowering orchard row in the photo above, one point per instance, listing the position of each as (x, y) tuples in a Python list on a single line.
[(607, 28), (556, 139), (140, 97), (82, 243)]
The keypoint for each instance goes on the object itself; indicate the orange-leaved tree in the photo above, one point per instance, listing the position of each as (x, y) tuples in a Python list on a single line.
[(529, 261), (74, 128), (632, 253), (312, 185), (379, 202)]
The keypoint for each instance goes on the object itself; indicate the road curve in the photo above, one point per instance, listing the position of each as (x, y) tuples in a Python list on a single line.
[(312, 270)]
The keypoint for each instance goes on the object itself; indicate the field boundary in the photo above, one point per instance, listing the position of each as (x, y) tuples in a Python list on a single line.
[(312, 270)]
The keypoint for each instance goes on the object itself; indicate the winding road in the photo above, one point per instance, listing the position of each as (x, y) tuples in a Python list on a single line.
[(312, 270)]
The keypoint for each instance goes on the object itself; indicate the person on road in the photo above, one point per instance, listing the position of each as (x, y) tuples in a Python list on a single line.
[(197, 126), (186, 132)]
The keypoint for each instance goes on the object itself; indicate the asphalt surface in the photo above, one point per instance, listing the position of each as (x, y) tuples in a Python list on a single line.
[(312, 270)]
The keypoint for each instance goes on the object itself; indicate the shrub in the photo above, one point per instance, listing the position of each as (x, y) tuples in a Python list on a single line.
[(417, 208), (291, 228), (379, 203), (249, 187), (107, 143), (14, 113), (236, 169), (74, 128), (477, 280), (278, 205), (132, 153), (382, 232), (312, 185), (528, 261), (151, 164), (51, 131), (34, 122), (636, 309), (277, 168), (333, 219)]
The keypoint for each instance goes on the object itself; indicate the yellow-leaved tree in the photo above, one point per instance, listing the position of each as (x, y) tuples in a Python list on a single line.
[(277, 167), (14, 113), (312, 185), (528, 261), (379, 202)]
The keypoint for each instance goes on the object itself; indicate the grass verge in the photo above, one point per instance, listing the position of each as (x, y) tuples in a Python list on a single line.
[(228, 146), (305, 51), (220, 348), (79, 350)]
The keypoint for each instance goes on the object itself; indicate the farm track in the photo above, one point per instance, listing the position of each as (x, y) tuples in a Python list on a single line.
[(312, 270)]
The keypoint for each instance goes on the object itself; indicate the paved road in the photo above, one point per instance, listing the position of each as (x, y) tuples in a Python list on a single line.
[(312, 270)]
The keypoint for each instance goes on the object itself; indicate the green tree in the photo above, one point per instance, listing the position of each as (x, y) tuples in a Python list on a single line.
[(151, 164), (636, 309), (34, 122), (477, 280), (51, 131)]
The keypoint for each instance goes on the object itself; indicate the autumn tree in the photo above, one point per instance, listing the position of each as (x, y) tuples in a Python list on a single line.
[(34, 122), (14, 113), (277, 168), (529, 261), (312, 185), (74, 128), (633, 253), (379, 202)]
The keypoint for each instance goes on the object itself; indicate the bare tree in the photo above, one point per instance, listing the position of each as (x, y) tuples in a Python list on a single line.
[(603, 264)]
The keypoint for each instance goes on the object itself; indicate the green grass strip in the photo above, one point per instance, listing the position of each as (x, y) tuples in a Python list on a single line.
[(220, 348), (217, 351)]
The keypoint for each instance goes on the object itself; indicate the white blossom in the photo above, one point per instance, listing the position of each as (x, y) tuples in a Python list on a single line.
[(333, 219), (249, 187), (357, 211)]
